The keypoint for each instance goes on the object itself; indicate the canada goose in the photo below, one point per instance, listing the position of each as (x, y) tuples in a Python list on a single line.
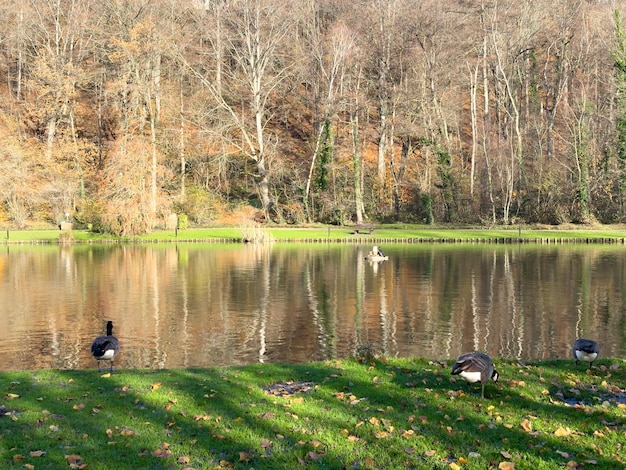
[(474, 367), (586, 350), (105, 348)]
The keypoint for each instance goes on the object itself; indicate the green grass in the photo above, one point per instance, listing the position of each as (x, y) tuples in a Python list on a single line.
[(383, 414), (396, 232)]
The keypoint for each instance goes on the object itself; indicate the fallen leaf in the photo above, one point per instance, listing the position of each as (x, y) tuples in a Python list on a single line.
[(526, 425), (36, 453), (505, 454), (314, 456), (454, 466), (369, 462), (155, 386), (430, 453), (562, 432), (506, 466), (565, 455), (11, 396), (161, 452), (315, 443), (183, 460), (245, 456), (75, 461)]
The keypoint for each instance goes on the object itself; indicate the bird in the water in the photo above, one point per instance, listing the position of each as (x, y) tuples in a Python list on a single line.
[(585, 350), (106, 348), (474, 367)]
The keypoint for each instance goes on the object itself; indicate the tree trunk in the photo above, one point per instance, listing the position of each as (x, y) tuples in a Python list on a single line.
[(356, 158)]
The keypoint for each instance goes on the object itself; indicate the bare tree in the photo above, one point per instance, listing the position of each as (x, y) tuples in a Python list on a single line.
[(259, 63), (330, 61)]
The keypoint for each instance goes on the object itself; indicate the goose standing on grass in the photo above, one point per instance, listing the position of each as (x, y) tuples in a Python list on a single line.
[(105, 348), (585, 350), (474, 367)]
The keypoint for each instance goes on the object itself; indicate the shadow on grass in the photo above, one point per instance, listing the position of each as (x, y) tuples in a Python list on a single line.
[(402, 414)]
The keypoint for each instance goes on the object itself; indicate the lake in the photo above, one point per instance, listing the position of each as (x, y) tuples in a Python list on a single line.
[(200, 305)]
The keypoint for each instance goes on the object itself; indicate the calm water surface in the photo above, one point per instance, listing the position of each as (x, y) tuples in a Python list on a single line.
[(196, 305)]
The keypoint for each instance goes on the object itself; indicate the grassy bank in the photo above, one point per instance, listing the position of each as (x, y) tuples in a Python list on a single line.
[(381, 414), (383, 233)]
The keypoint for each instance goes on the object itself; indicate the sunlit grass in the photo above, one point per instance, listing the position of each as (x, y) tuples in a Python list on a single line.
[(396, 413), (397, 232)]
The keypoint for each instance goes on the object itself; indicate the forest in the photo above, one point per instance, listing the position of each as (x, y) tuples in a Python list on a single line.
[(125, 116)]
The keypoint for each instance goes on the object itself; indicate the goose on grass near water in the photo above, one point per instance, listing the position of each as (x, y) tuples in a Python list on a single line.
[(475, 367), (106, 348), (585, 350)]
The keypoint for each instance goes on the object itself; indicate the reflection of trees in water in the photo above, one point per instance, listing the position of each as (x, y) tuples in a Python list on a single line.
[(198, 305)]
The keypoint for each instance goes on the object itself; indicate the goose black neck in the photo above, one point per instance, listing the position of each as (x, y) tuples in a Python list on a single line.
[(109, 328)]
